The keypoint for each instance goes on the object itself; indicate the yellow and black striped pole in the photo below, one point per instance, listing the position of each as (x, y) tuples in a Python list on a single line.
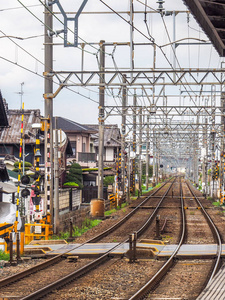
[(48, 172), (19, 173), (37, 169)]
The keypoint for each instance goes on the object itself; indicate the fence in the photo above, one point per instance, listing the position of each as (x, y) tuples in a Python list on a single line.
[(69, 200), (91, 192)]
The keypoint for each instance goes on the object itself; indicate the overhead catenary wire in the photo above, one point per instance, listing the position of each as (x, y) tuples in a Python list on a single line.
[(35, 73)]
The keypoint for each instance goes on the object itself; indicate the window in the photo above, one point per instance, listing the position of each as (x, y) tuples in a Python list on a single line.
[(74, 147), (6, 150), (83, 147)]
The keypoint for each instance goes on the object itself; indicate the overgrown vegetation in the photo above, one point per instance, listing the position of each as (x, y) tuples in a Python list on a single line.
[(86, 225), (3, 255), (109, 212)]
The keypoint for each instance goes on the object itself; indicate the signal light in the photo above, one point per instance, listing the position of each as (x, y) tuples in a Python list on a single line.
[(25, 193), (25, 179)]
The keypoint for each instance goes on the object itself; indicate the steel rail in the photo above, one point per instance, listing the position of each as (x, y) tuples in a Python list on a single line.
[(83, 270), (59, 257), (215, 234), (164, 269)]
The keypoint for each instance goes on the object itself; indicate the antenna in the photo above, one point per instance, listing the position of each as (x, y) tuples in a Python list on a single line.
[(21, 94)]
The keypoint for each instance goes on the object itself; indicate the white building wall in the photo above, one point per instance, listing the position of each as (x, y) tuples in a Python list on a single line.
[(109, 154)]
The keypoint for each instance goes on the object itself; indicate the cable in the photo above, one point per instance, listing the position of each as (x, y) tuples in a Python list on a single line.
[(151, 39), (35, 73), (13, 8), (20, 38)]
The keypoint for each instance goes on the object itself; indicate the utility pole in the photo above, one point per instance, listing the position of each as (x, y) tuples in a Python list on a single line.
[(154, 159), (134, 138), (147, 152), (131, 38), (140, 150), (222, 157), (124, 104), (48, 91), (56, 185), (101, 119)]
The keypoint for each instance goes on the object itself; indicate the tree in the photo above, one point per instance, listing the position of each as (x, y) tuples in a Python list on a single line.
[(75, 174), (108, 180), (150, 170)]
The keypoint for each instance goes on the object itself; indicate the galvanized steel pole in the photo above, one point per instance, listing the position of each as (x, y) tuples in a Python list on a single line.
[(134, 138)]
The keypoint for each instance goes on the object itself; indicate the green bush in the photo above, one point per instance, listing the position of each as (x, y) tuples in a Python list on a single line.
[(27, 164), (74, 174), (3, 255), (108, 180), (71, 184), (95, 169)]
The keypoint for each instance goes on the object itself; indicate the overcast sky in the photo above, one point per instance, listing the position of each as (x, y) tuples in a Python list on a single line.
[(21, 59)]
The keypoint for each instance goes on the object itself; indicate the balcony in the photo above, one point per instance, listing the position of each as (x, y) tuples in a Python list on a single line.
[(86, 157)]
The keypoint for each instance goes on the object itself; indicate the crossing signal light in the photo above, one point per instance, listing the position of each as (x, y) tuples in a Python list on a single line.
[(25, 193), (119, 175), (25, 179)]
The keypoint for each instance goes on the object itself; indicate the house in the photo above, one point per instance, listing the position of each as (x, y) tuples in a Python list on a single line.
[(112, 143), (10, 136), (80, 140)]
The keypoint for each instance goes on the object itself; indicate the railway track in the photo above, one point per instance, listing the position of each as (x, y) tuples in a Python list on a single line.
[(148, 287), (216, 235), (93, 264), (143, 291), (108, 260)]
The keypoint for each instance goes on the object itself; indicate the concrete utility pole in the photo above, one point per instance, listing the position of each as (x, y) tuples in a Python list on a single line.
[(101, 115), (56, 177), (124, 104), (48, 92)]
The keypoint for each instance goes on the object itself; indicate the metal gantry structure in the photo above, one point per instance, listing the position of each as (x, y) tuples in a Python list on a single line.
[(170, 117)]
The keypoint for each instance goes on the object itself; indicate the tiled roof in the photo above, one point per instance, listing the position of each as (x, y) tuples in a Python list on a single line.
[(112, 136), (12, 134), (71, 126)]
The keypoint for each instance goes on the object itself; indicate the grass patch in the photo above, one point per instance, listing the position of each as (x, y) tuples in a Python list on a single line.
[(3, 255), (87, 224), (216, 203), (109, 212)]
